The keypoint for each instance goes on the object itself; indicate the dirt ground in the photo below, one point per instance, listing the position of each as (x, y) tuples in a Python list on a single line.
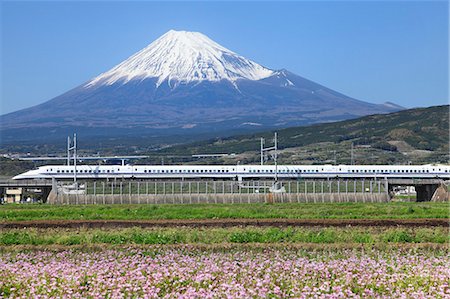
[(227, 223)]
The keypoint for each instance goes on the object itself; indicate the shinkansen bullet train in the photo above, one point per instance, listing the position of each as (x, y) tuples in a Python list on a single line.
[(235, 171)]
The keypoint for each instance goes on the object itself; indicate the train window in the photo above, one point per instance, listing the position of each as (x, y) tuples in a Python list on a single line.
[(90, 171), (228, 170), (145, 170), (57, 171), (107, 170), (171, 170), (162, 171)]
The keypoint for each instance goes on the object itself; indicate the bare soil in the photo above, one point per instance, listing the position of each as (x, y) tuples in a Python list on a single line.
[(227, 223)]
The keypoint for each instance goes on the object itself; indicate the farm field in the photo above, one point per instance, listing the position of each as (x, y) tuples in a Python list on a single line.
[(189, 272), (331, 250), (391, 210)]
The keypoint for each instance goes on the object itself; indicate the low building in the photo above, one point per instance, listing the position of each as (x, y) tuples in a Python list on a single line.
[(13, 195)]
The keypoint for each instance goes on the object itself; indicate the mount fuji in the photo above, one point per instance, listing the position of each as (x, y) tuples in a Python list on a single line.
[(185, 83)]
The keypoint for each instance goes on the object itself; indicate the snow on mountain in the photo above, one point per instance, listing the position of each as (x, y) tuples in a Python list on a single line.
[(183, 57)]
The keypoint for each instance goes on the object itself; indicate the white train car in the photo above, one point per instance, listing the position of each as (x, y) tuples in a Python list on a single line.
[(236, 171)]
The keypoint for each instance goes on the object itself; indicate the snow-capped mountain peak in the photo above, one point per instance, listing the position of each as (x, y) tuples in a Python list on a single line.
[(183, 57)]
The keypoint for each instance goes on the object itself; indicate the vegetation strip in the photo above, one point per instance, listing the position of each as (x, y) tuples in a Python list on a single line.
[(185, 235), (226, 223), (438, 248), (391, 210)]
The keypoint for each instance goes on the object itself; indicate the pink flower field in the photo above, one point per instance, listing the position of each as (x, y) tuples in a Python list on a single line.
[(193, 273)]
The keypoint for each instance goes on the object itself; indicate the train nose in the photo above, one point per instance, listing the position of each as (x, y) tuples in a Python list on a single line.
[(18, 177), (26, 175)]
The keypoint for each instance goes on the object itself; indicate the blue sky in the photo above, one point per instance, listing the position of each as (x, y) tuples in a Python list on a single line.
[(373, 51)]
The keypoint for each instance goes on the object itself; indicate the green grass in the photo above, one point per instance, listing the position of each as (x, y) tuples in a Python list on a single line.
[(392, 210), (270, 235)]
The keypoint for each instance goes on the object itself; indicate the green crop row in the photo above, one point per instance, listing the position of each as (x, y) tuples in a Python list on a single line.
[(391, 210), (136, 235)]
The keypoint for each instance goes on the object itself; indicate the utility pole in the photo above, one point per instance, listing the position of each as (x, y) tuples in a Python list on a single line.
[(68, 150), (74, 148), (352, 159), (262, 151), (75, 159), (276, 156)]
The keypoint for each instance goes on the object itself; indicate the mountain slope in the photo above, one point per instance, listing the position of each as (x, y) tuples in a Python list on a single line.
[(418, 135), (184, 83)]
